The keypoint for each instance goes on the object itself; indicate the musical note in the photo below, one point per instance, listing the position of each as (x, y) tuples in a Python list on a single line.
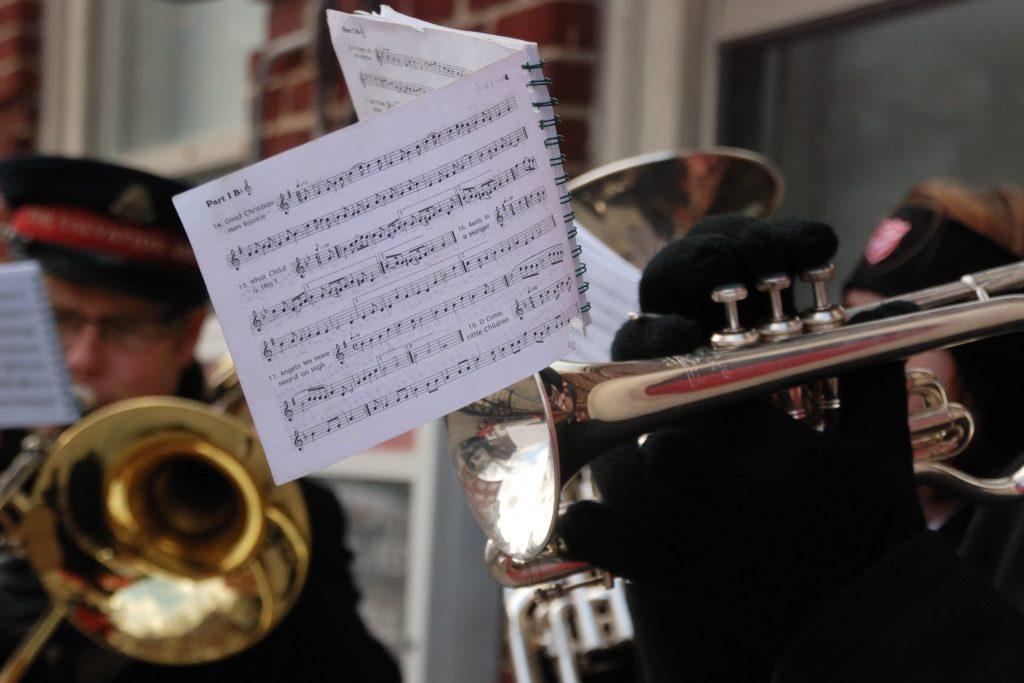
[(385, 272), (394, 85), (434, 382), (458, 197), (430, 65)]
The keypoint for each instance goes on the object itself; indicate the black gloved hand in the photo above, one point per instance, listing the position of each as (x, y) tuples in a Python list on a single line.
[(745, 513)]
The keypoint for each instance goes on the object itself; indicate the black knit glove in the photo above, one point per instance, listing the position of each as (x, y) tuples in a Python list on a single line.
[(745, 513)]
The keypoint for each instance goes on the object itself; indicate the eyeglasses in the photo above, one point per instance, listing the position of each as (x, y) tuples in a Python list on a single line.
[(123, 332)]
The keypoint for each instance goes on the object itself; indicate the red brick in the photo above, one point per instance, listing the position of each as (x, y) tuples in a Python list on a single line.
[(28, 11), (298, 97), (351, 6), (280, 143), (436, 11), (567, 24), (271, 104), (577, 141), (287, 16), (19, 83), (20, 45), (17, 127), (479, 4), (571, 82), (286, 62)]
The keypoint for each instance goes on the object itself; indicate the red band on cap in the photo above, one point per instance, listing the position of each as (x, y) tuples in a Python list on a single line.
[(80, 229)]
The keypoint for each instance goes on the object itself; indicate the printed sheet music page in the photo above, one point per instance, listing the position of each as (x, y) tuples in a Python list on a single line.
[(389, 59), (35, 388), (393, 271)]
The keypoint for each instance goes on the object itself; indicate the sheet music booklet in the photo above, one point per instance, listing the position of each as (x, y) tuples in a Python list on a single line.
[(35, 387), (395, 270)]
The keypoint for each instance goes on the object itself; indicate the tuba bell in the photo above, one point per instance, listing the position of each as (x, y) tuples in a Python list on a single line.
[(156, 530)]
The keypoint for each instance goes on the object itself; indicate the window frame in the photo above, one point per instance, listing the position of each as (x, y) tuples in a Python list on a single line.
[(680, 41), (69, 116)]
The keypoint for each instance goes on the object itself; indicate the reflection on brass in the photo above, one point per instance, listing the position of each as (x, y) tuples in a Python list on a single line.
[(158, 532), (638, 205)]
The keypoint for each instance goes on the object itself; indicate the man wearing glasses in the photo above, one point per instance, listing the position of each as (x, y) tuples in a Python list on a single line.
[(129, 303)]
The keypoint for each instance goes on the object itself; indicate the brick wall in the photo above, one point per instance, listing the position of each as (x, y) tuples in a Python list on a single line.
[(565, 30), (19, 74)]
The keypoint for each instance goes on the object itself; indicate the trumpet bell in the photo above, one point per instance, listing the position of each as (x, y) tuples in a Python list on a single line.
[(638, 205), (156, 525), (503, 448)]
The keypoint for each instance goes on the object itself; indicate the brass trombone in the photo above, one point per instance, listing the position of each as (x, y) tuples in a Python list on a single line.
[(157, 531)]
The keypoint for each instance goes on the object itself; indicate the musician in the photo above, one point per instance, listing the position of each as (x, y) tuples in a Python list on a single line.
[(129, 304), (940, 231), (761, 549)]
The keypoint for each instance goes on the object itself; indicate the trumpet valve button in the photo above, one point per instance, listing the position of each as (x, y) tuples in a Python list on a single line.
[(733, 335), (779, 325), (823, 315)]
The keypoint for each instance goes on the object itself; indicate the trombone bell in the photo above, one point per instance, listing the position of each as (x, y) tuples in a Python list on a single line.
[(157, 531)]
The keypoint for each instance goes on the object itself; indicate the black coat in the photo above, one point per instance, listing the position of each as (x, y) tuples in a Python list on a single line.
[(944, 607)]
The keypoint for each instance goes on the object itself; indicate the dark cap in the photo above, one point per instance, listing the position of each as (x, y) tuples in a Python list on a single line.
[(917, 247), (101, 225)]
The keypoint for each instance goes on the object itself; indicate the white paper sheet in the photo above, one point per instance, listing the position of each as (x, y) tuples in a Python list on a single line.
[(613, 290), (390, 58), (381, 77), (35, 389), (393, 271)]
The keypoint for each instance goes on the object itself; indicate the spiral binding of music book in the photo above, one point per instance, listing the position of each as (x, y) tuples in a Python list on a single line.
[(548, 122)]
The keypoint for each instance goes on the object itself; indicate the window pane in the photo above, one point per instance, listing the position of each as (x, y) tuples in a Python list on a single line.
[(170, 71), (857, 112)]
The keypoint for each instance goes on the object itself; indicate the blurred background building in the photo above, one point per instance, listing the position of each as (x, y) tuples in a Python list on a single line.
[(854, 100)]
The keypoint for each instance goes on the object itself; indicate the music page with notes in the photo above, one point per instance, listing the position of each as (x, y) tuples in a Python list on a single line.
[(393, 271), (35, 386)]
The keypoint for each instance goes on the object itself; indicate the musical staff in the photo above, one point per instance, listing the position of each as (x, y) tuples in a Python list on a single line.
[(393, 84), (418, 63), (359, 312), (393, 266), (367, 169), (510, 209), (456, 198), (435, 381), (396, 360), (353, 279), (389, 263)]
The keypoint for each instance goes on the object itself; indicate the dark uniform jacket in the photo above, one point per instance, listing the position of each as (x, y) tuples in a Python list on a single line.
[(944, 607)]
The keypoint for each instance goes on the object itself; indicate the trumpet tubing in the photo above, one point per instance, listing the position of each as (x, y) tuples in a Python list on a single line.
[(512, 450)]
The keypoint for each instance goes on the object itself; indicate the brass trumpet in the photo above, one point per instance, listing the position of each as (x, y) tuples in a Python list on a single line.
[(156, 530), (514, 450)]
